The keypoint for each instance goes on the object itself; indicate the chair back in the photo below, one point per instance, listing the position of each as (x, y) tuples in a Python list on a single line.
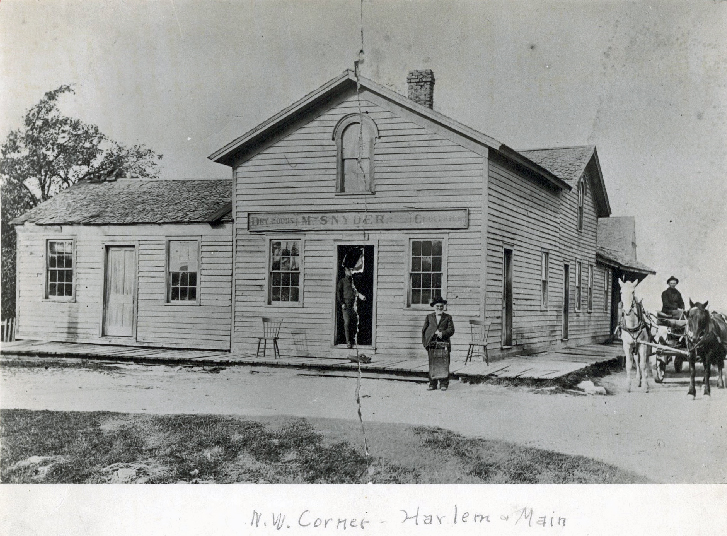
[(479, 331), (271, 327)]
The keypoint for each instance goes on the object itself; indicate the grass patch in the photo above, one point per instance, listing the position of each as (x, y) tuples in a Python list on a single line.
[(104, 447)]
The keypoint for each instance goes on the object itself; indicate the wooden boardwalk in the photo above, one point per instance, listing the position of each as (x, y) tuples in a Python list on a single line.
[(543, 366)]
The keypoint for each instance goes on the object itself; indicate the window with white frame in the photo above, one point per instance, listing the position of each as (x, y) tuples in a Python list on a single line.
[(590, 288), (581, 202), (544, 279), (606, 281), (183, 271), (426, 272), (355, 137), (59, 270), (285, 268), (579, 285)]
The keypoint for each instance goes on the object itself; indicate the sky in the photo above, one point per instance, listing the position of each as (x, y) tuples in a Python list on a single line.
[(645, 82)]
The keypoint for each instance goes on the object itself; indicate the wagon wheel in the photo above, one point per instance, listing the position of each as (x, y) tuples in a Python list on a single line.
[(660, 371), (678, 362)]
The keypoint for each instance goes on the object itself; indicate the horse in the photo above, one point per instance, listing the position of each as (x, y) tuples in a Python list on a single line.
[(706, 337), (634, 332)]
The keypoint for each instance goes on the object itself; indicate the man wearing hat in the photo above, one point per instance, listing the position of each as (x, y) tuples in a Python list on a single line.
[(437, 330), (672, 303)]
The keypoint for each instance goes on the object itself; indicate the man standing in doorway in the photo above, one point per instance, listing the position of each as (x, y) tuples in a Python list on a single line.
[(346, 295), (671, 299)]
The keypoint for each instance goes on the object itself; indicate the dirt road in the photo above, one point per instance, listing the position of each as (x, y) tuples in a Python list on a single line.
[(663, 435)]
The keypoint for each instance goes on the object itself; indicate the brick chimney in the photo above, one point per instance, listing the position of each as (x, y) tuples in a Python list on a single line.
[(421, 87)]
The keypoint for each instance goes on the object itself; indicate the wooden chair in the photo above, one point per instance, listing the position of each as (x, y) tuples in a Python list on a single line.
[(271, 330), (478, 342)]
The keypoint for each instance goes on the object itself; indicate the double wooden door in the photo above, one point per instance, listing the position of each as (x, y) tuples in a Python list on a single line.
[(119, 291)]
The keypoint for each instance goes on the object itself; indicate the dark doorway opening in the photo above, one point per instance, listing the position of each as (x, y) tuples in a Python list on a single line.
[(364, 283)]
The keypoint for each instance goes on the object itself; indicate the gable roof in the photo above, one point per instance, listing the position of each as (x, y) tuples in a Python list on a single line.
[(133, 201), (347, 81), (617, 244), (569, 163)]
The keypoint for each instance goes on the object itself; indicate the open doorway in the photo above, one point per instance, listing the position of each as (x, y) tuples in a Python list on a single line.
[(361, 258)]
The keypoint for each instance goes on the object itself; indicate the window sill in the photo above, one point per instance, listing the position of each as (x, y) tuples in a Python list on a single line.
[(182, 304), (287, 304), (345, 194), (60, 300)]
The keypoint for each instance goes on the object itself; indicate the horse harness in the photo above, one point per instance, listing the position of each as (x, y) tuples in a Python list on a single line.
[(639, 314)]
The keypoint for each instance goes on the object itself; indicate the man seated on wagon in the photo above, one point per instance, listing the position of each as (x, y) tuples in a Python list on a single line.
[(672, 303)]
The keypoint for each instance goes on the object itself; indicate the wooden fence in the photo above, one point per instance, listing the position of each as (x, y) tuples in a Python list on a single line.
[(8, 329)]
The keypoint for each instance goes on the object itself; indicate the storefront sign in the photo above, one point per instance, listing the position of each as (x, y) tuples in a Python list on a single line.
[(371, 220)]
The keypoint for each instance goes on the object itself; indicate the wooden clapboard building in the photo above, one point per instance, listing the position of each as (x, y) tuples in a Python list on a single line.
[(130, 261), (433, 206)]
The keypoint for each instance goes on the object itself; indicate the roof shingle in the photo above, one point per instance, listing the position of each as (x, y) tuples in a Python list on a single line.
[(130, 201)]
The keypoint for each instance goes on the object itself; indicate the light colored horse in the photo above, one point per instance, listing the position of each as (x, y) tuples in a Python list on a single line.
[(634, 331)]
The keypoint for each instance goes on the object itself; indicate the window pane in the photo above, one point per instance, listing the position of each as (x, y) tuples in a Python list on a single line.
[(53, 247), (294, 264), (68, 289), (437, 281), (416, 281), (416, 248), (426, 280), (416, 264), (285, 280), (53, 276), (276, 263), (183, 293), (276, 294), (192, 294), (426, 296), (184, 279), (285, 264), (416, 295), (284, 294), (426, 264), (52, 261), (294, 294), (193, 279), (52, 290), (437, 247), (276, 279), (294, 278), (427, 247), (175, 279), (436, 264), (175, 294)]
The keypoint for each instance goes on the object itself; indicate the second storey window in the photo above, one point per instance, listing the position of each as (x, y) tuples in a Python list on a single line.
[(544, 280), (581, 202), (425, 274), (355, 137), (579, 285), (59, 269), (284, 274), (183, 267)]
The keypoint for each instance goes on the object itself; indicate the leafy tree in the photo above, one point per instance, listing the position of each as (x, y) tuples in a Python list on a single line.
[(49, 153)]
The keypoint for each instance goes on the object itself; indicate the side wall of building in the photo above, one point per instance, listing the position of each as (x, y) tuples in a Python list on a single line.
[(585, 325), (157, 323)]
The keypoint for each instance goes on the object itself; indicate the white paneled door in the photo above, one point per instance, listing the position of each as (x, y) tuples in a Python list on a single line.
[(119, 294)]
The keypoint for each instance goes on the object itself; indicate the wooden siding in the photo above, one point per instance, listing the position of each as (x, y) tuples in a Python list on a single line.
[(523, 216), (203, 325), (580, 245), (414, 168)]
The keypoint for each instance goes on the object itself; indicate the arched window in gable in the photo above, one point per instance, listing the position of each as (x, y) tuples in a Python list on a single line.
[(355, 137)]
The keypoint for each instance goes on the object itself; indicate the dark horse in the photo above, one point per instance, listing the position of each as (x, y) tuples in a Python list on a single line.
[(706, 338)]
